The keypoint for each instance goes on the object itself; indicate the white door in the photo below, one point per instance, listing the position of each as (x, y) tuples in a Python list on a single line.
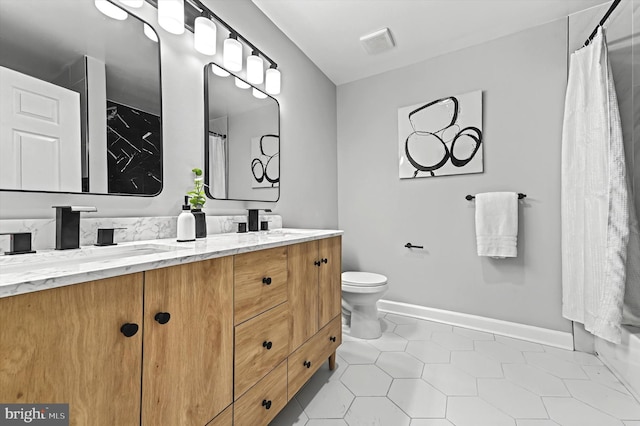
[(39, 134)]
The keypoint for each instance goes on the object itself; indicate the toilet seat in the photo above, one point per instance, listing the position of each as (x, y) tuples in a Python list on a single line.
[(364, 289), (362, 279)]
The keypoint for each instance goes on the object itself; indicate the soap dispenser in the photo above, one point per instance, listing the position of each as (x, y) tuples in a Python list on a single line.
[(186, 223)]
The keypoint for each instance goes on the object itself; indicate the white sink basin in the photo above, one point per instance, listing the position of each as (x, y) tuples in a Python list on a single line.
[(58, 258)]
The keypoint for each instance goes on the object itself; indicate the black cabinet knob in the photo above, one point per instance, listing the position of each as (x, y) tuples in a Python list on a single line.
[(129, 329), (266, 280), (307, 364), (266, 404), (325, 260), (162, 317), (332, 338), (317, 263), (267, 345)]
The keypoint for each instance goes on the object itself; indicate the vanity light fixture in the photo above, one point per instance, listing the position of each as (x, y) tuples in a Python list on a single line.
[(219, 71), (171, 15), (132, 3), (148, 31), (111, 10), (255, 68), (272, 80), (204, 35), (259, 94), (232, 54), (241, 84), (176, 15)]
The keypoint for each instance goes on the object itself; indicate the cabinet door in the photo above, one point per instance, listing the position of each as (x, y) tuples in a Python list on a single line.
[(330, 281), (187, 374), (64, 345), (303, 292)]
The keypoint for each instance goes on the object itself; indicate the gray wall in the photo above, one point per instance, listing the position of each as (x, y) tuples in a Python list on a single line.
[(308, 131), (523, 79)]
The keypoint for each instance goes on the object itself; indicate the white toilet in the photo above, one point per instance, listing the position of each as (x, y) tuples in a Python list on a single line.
[(360, 292)]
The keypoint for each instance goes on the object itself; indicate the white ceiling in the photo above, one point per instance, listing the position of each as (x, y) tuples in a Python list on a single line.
[(329, 31)]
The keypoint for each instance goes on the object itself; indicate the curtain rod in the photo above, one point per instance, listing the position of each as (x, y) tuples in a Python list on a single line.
[(602, 21)]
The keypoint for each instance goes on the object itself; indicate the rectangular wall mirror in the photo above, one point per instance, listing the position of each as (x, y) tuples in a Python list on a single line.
[(80, 100), (242, 139)]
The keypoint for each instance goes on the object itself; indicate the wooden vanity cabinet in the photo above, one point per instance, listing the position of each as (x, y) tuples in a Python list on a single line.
[(315, 287), (64, 345), (187, 373)]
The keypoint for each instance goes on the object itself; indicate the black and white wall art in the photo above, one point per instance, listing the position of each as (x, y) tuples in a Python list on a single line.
[(265, 161), (441, 137)]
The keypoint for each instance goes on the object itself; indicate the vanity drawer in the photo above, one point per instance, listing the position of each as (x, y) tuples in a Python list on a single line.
[(260, 282), (330, 337), (261, 344), (310, 356), (262, 402)]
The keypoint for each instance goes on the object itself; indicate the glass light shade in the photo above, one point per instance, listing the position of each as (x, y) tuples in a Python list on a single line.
[(171, 15), (258, 94), (241, 84), (132, 3), (272, 81), (148, 31), (219, 71), (111, 10), (232, 55), (204, 36), (255, 69)]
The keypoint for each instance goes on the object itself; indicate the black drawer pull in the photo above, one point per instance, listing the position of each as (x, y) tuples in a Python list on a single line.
[(266, 280), (267, 345), (332, 338), (307, 364), (129, 329), (325, 260), (266, 404), (162, 317), (317, 263)]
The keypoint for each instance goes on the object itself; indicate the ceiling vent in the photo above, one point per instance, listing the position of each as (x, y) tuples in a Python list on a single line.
[(378, 41)]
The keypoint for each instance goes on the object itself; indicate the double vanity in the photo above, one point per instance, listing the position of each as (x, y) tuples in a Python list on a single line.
[(220, 331)]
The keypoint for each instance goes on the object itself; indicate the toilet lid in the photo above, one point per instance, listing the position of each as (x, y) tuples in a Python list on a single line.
[(363, 279)]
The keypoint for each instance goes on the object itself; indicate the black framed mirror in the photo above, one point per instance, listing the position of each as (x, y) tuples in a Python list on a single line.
[(242, 139), (80, 100)]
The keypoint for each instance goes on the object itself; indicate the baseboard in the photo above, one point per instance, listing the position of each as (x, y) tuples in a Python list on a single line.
[(545, 336)]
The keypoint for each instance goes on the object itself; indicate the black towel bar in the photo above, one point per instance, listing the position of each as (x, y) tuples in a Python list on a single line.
[(520, 196)]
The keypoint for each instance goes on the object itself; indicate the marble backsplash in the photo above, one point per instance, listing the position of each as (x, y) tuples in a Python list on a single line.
[(43, 231)]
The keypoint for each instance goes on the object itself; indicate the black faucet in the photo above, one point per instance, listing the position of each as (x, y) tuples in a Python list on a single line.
[(68, 226), (253, 218)]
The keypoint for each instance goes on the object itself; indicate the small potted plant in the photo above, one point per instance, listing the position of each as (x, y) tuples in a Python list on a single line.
[(197, 200)]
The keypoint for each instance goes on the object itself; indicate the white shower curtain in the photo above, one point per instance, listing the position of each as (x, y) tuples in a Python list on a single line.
[(595, 196), (218, 161)]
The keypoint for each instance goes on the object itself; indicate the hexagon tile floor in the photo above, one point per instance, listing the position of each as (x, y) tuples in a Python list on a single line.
[(422, 373)]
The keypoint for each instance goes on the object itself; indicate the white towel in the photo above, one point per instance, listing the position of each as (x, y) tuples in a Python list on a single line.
[(595, 205), (497, 224)]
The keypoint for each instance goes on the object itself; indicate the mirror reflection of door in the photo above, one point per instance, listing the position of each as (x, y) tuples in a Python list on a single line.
[(39, 134), (111, 69)]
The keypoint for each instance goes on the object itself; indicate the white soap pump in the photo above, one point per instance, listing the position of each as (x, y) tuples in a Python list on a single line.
[(186, 223)]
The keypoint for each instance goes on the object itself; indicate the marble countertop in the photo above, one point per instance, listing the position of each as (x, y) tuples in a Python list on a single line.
[(47, 269)]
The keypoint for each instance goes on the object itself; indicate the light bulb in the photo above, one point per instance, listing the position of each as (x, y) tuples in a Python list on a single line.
[(255, 69), (232, 55), (204, 36), (219, 71), (272, 81), (258, 94), (171, 15), (132, 3), (241, 84), (111, 10), (148, 31)]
